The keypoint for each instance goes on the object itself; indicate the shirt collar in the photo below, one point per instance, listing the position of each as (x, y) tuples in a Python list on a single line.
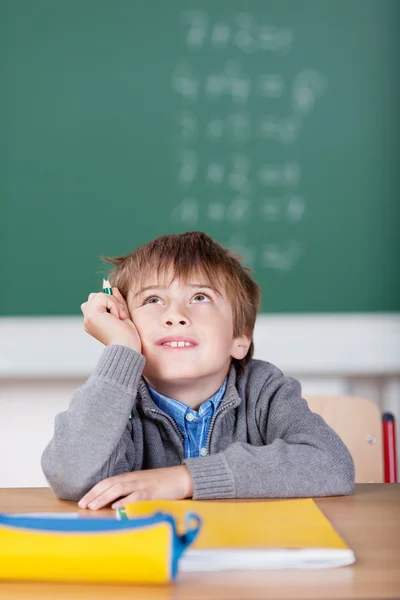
[(231, 397), (180, 409)]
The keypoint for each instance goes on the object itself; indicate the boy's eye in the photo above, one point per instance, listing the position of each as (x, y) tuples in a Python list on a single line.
[(200, 298), (149, 300)]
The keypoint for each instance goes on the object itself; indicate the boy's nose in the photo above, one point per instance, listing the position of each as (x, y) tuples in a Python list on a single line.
[(176, 314), (173, 322)]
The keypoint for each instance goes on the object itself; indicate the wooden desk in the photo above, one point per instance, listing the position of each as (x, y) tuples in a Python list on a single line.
[(369, 521)]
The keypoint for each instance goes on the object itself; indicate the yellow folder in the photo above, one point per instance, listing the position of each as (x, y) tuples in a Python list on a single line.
[(256, 534)]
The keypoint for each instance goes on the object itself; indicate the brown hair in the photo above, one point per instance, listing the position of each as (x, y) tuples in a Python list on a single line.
[(189, 254)]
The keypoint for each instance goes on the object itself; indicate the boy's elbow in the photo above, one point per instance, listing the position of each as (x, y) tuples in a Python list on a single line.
[(349, 477), (65, 486), (344, 485), (341, 478), (72, 492)]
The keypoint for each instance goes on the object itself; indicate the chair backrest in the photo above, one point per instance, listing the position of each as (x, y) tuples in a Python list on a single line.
[(359, 423)]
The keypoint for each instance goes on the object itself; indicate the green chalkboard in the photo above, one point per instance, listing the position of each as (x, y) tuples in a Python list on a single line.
[(272, 125)]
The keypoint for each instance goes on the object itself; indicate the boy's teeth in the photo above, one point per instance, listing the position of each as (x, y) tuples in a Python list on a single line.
[(177, 344)]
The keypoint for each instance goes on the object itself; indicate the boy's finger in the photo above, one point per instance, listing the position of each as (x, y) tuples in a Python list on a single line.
[(113, 307), (107, 302), (119, 297), (96, 491), (118, 294), (114, 492), (124, 311), (134, 497), (121, 310)]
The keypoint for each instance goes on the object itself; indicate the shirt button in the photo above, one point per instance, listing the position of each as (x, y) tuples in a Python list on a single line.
[(203, 452), (189, 417)]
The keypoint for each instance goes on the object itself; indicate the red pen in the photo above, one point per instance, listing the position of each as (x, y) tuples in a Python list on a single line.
[(389, 447)]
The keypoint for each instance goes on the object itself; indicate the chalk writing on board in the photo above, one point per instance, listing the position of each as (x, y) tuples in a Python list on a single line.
[(239, 210), (188, 126), (287, 174), (215, 173), (188, 168), (281, 129), (239, 127), (216, 211), (187, 212), (239, 244), (184, 82), (235, 128), (276, 208), (215, 129), (243, 32), (220, 35), (295, 208), (235, 174), (281, 256), (231, 81), (307, 87), (239, 176), (221, 180), (272, 85)]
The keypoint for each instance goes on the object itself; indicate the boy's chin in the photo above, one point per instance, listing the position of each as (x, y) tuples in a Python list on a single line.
[(174, 372)]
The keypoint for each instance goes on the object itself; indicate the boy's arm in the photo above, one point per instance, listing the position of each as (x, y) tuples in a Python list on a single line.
[(302, 455), (93, 440)]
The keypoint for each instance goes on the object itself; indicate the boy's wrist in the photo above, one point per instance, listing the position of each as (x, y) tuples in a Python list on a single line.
[(118, 364), (127, 343), (188, 482)]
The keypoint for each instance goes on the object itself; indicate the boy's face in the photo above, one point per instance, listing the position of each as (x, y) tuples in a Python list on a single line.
[(192, 313)]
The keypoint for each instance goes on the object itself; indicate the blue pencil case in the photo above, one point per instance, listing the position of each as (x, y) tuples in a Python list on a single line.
[(142, 550)]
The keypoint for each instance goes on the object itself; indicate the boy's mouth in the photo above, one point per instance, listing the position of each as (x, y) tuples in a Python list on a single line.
[(178, 341)]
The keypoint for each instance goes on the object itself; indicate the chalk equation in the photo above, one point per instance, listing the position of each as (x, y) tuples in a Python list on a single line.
[(237, 128), (236, 172), (243, 32), (226, 115), (233, 81)]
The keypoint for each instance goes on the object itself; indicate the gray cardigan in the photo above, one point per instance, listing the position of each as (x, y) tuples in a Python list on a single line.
[(263, 442)]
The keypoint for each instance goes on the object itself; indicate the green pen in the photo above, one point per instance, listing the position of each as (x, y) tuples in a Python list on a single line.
[(121, 514), (107, 289)]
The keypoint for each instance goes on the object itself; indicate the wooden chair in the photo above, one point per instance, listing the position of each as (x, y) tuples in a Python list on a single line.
[(359, 423)]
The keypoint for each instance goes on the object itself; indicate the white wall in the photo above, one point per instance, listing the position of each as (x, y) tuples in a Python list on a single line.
[(27, 411), (42, 361)]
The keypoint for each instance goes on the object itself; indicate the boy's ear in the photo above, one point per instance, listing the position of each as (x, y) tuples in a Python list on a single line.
[(240, 346)]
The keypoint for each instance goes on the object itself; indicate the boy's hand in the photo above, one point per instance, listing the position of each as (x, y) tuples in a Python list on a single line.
[(171, 483), (115, 327)]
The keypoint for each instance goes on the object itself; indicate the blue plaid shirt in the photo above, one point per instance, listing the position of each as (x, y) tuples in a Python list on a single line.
[(193, 425)]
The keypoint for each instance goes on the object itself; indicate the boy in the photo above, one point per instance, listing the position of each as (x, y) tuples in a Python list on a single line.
[(176, 407)]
